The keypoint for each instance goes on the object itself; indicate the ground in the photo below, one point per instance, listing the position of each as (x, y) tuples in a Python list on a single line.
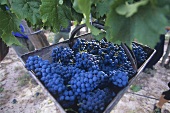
[(19, 93)]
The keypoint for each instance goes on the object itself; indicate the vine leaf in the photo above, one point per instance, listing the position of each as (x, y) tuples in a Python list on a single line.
[(3, 2), (129, 9), (85, 7), (76, 6), (103, 7), (163, 3), (27, 9), (100, 36), (144, 26), (8, 23), (53, 14)]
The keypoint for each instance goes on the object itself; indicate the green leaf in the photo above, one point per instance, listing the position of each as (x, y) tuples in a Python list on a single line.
[(163, 2), (129, 9), (103, 7), (100, 36), (53, 14), (27, 9), (135, 88), (70, 12), (85, 7), (3, 2), (76, 6), (145, 26), (8, 23)]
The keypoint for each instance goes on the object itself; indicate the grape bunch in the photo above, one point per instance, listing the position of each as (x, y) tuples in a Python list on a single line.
[(63, 55), (66, 72), (80, 45), (87, 81), (67, 95), (67, 98), (54, 83), (46, 73), (96, 101), (86, 61), (119, 78), (33, 63), (93, 47), (127, 67), (139, 53)]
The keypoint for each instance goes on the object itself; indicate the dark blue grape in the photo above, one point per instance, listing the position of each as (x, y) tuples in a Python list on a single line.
[(91, 80), (119, 78), (63, 55), (139, 53), (96, 101)]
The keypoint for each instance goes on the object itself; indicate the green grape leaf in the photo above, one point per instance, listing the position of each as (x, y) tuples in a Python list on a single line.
[(76, 6), (8, 23), (10, 39), (103, 7), (53, 14), (27, 9), (163, 2), (145, 26), (3, 2), (70, 12), (100, 36), (129, 9), (85, 7), (76, 16)]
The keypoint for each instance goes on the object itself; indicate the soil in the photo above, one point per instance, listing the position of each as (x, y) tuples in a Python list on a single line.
[(19, 93)]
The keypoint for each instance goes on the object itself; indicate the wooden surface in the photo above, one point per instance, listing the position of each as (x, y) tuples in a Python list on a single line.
[(39, 40)]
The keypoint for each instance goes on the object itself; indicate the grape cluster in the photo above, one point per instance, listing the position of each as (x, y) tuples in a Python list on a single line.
[(64, 55), (87, 81), (86, 61), (119, 78), (95, 102), (66, 72), (93, 47), (33, 63), (67, 98), (46, 73), (127, 67), (67, 95), (85, 74), (139, 53), (80, 45), (54, 83)]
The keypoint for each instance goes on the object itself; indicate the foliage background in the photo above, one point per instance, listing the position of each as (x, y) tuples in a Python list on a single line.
[(124, 20)]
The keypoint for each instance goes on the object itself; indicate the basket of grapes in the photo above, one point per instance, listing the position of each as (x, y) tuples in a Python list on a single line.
[(85, 75)]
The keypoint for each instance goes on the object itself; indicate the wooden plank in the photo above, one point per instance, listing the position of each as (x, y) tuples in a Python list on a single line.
[(38, 41)]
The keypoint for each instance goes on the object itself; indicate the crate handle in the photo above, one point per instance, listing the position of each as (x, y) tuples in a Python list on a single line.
[(74, 32), (130, 55)]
